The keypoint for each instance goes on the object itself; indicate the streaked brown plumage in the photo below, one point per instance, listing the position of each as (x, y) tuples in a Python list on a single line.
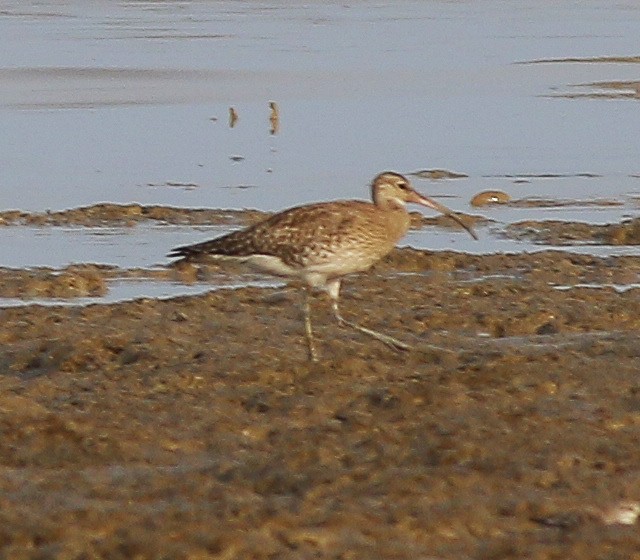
[(320, 243)]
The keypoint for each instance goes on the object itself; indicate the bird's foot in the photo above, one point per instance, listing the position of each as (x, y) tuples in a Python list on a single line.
[(390, 341), (313, 354)]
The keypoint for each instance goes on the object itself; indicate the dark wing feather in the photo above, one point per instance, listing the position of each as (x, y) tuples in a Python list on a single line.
[(283, 234), (236, 244)]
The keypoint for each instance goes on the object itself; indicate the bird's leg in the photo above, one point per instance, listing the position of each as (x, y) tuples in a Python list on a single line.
[(333, 289), (308, 331)]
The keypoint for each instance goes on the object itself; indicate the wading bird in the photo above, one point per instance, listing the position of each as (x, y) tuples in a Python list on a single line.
[(321, 243)]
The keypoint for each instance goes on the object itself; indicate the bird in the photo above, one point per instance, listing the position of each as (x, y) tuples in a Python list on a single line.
[(321, 243)]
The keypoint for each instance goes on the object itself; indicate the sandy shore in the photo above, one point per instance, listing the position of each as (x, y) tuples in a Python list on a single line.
[(195, 428)]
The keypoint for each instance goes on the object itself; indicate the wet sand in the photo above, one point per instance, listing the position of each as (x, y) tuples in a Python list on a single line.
[(194, 427)]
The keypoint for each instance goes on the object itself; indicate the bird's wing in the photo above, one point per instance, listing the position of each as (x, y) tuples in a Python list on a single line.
[(289, 234)]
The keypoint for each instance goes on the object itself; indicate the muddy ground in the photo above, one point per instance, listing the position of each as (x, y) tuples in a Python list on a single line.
[(194, 427)]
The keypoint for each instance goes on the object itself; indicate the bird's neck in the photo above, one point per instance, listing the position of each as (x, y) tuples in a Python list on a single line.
[(396, 217)]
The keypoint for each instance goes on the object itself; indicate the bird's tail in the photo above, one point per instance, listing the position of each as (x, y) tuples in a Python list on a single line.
[(231, 245), (187, 252)]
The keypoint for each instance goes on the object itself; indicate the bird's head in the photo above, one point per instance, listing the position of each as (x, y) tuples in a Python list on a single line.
[(393, 189)]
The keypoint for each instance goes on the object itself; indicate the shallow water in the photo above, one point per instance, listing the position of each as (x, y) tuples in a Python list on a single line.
[(129, 102), (131, 289), (100, 100), (126, 247)]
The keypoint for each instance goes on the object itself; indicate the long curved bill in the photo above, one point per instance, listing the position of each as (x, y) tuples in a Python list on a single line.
[(417, 198)]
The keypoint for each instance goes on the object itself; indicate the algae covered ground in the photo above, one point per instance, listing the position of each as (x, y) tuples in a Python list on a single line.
[(194, 427)]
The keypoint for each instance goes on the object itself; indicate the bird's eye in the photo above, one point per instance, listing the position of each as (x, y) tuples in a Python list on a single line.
[(403, 185)]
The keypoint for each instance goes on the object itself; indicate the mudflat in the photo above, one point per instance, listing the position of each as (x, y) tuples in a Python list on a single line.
[(194, 427)]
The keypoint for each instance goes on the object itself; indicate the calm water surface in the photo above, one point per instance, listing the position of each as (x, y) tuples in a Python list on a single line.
[(128, 102)]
